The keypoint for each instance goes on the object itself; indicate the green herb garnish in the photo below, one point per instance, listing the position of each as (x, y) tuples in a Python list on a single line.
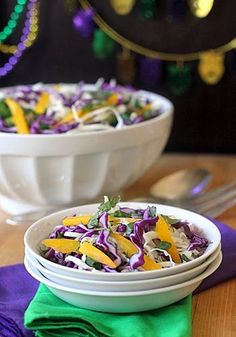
[(185, 258), (93, 222), (4, 110), (153, 211), (92, 263), (109, 204), (170, 221), (164, 245)]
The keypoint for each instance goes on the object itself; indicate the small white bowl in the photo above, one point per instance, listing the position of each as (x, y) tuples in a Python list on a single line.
[(121, 302), (43, 227), (64, 170), (139, 285)]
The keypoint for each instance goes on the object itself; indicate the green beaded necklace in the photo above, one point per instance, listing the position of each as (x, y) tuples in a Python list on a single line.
[(12, 22)]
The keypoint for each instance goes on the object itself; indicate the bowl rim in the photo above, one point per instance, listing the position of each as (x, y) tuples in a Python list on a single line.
[(167, 111), (40, 267), (209, 270), (93, 207)]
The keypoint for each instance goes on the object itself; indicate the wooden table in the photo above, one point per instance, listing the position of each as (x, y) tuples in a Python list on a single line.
[(214, 311)]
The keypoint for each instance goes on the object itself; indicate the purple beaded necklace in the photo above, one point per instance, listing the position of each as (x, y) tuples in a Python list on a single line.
[(25, 37)]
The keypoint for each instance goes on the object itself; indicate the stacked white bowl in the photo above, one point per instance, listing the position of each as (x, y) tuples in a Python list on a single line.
[(121, 292)]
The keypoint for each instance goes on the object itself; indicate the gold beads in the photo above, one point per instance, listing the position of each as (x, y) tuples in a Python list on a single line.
[(201, 8), (211, 67), (123, 7)]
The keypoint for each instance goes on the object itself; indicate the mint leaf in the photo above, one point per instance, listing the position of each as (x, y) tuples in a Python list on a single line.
[(4, 110), (170, 221), (93, 222), (120, 214), (153, 211), (130, 227), (185, 258), (109, 204), (164, 245), (92, 263), (115, 200)]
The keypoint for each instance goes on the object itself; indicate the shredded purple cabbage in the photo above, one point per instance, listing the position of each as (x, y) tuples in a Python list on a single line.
[(65, 98), (99, 236)]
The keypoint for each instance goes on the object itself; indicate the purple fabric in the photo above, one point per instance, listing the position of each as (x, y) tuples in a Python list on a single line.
[(227, 269), (17, 287)]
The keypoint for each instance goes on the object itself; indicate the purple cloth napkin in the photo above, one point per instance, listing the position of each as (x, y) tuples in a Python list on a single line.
[(17, 287), (227, 269)]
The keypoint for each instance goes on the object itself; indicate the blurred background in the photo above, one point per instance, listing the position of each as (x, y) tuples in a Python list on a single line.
[(68, 47)]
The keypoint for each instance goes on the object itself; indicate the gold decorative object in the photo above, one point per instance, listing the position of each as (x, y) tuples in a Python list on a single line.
[(125, 64), (211, 61), (211, 67), (136, 48), (201, 8), (123, 7)]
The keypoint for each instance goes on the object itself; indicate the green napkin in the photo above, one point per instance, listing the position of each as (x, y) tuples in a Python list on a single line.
[(49, 316)]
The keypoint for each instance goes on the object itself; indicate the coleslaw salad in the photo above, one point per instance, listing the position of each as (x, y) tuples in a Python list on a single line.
[(122, 239), (72, 108)]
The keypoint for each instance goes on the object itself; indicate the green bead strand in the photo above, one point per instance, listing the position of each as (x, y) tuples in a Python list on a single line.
[(12, 22), (148, 8)]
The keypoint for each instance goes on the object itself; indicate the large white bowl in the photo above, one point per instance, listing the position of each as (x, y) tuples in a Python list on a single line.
[(43, 227), (114, 286), (65, 170), (119, 302)]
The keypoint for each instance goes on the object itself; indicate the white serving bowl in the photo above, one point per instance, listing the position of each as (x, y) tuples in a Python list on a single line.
[(120, 302), (114, 286), (37, 171), (43, 227)]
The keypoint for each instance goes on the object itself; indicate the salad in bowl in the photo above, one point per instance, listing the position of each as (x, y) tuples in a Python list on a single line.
[(70, 108), (121, 239), (76, 142)]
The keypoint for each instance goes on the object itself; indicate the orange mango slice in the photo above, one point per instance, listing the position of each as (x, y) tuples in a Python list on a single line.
[(126, 245), (18, 116), (130, 249), (150, 264), (67, 246), (84, 219), (120, 220), (113, 99), (96, 254), (146, 107), (164, 233), (69, 117), (76, 220), (42, 103), (64, 246)]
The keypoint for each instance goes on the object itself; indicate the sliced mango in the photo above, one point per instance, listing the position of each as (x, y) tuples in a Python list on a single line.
[(68, 118), (76, 220), (140, 111), (113, 99), (130, 249), (121, 220), (126, 246), (64, 246), (42, 103), (84, 219), (96, 254), (164, 233), (18, 116), (150, 264)]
